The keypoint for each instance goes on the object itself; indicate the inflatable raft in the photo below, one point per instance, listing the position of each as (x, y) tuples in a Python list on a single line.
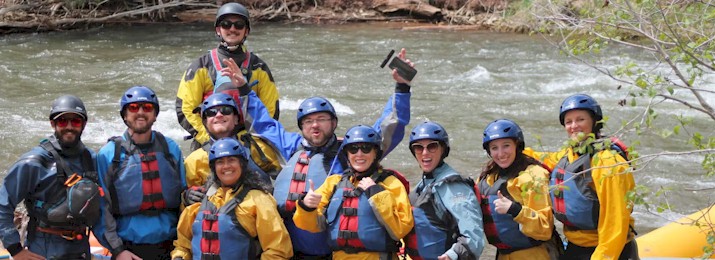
[(680, 239)]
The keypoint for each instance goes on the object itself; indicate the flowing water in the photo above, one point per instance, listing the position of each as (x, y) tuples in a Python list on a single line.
[(465, 80)]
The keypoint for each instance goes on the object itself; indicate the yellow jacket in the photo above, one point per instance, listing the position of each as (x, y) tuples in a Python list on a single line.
[(257, 214), (611, 183), (391, 204), (197, 163), (199, 79)]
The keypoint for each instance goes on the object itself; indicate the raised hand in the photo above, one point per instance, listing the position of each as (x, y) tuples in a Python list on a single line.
[(502, 204), (232, 71), (395, 75), (312, 199)]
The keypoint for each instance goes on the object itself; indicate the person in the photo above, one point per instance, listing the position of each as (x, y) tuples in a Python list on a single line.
[(313, 151), (366, 210), (514, 192), (143, 172), (448, 220), (221, 118), (203, 77), (58, 182), (590, 197), (239, 221)]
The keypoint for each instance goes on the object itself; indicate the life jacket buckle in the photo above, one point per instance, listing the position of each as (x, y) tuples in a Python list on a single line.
[(72, 180)]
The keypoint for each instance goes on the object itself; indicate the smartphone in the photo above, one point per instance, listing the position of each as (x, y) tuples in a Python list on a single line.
[(403, 69)]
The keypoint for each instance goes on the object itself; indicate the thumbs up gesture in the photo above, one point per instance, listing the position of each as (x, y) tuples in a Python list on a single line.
[(502, 204), (312, 199)]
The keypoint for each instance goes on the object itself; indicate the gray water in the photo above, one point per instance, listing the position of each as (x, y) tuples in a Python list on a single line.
[(465, 80)]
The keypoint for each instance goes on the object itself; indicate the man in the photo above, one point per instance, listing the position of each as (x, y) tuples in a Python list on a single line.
[(313, 152), (221, 118), (203, 77), (58, 172), (143, 173)]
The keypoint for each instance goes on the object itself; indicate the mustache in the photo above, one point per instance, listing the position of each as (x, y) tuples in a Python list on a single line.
[(69, 131)]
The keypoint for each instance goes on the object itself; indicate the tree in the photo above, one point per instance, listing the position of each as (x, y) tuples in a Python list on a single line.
[(679, 36)]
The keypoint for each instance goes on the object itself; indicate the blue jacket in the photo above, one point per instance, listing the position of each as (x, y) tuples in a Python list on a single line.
[(30, 179), (136, 228), (458, 200)]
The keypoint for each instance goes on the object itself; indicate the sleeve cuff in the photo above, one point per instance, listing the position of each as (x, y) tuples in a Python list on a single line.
[(244, 90), (514, 209), (374, 189), (118, 250), (402, 88), (304, 207), (14, 249)]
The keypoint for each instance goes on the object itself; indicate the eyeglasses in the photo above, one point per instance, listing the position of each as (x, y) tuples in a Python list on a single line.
[(365, 148), (225, 110), (431, 147), (146, 107), (226, 24), (63, 122), (309, 122)]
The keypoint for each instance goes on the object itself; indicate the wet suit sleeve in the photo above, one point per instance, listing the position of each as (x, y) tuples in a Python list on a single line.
[(314, 220), (106, 228), (612, 183), (182, 244), (391, 206), (197, 168), (259, 121), (460, 201), (536, 218), (195, 82), (266, 89), (20, 181), (272, 233)]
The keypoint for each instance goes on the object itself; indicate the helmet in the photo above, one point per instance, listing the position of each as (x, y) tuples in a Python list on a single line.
[(363, 134), (314, 105), (137, 94), (432, 131), (580, 101), (502, 128), (67, 104), (225, 147), (233, 8), (218, 99)]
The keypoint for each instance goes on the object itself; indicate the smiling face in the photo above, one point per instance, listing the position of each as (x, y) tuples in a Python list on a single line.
[(140, 117), (318, 128), (503, 151), (358, 159), (67, 129), (232, 35), (578, 121), (428, 154), (228, 169), (221, 125)]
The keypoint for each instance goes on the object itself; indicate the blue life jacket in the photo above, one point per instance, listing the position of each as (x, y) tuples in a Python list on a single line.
[(577, 204), (219, 235), (143, 182), (501, 229), (352, 223)]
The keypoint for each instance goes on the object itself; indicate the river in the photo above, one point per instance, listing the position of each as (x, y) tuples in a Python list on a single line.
[(465, 81)]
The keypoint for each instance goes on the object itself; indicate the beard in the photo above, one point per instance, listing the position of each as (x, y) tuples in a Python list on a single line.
[(68, 138), (140, 127)]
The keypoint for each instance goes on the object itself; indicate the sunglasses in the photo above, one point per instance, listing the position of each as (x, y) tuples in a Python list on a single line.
[(226, 24), (63, 122), (419, 148), (365, 148), (225, 110), (146, 107)]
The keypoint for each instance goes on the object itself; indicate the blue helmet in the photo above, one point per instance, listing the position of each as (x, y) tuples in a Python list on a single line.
[(225, 147), (218, 99), (138, 94), (431, 131), (502, 128), (314, 105), (580, 101), (363, 134)]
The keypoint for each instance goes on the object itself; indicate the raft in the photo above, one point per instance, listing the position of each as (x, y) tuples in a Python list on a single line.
[(680, 239)]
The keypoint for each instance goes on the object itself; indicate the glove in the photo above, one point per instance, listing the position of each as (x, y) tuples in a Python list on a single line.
[(193, 195)]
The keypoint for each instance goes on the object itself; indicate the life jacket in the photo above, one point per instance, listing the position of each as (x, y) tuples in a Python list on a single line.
[(574, 202), (349, 209), (145, 183), (434, 232), (223, 83), (214, 227), (75, 200), (501, 229), (252, 166)]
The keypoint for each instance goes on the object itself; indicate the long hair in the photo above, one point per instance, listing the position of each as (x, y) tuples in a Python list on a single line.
[(249, 178), (521, 162)]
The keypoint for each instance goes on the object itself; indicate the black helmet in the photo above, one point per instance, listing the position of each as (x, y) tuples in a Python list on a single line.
[(67, 104), (233, 8)]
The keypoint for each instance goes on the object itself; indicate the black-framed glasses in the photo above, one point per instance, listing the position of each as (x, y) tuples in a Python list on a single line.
[(226, 24), (63, 122), (225, 110), (431, 147), (320, 121), (365, 148)]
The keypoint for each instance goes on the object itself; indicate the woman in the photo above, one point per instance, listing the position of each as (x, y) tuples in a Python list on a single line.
[(239, 221), (591, 187), (514, 192), (366, 209), (441, 199)]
